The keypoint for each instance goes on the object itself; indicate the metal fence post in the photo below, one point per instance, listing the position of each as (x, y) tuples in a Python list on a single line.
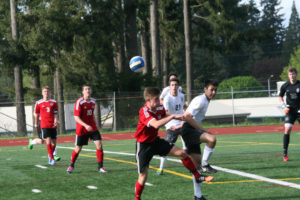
[(115, 116), (232, 98)]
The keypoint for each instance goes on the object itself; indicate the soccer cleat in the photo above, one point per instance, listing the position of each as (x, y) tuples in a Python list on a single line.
[(206, 179), (56, 158), (70, 169), (160, 172), (102, 170), (30, 145), (52, 161), (201, 198), (285, 157), (208, 169)]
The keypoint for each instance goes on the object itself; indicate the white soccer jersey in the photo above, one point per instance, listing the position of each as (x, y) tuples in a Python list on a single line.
[(198, 107), (167, 90), (174, 105)]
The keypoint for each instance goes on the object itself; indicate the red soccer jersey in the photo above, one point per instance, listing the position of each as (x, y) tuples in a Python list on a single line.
[(85, 110), (46, 109), (145, 132)]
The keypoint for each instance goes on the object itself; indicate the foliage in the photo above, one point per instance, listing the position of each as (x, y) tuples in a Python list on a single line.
[(240, 83), (294, 62)]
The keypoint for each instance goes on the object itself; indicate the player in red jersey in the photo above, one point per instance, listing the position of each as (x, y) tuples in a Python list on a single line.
[(86, 128), (46, 110), (152, 116)]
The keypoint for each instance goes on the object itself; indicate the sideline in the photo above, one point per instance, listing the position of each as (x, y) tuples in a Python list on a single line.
[(236, 172)]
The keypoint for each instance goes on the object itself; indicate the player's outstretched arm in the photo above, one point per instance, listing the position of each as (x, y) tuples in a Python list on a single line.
[(158, 123), (189, 119)]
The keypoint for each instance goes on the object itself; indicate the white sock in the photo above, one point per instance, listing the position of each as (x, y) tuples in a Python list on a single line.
[(162, 162), (183, 144), (197, 187), (55, 152), (33, 142), (206, 155)]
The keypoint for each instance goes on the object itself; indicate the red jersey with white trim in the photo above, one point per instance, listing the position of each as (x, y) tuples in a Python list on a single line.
[(145, 132), (46, 109), (84, 109)]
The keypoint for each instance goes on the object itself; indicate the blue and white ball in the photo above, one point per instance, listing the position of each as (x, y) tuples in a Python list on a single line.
[(136, 64)]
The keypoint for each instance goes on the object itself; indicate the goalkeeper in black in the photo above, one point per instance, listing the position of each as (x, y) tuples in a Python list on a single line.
[(292, 107)]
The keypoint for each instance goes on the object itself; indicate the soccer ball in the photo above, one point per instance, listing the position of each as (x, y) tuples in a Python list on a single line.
[(136, 64)]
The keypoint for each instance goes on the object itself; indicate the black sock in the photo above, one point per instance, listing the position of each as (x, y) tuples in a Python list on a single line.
[(100, 165), (72, 165), (286, 141)]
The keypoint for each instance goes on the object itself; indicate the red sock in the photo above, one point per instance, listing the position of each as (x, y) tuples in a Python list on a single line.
[(99, 153), (49, 149), (74, 156), (188, 163), (138, 190)]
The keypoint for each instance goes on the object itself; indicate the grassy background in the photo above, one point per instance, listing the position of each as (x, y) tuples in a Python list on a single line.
[(259, 154)]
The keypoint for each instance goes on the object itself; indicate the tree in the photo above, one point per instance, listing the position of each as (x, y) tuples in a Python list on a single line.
[(155, 43), (273, 31), (188, 49), (292, 36), (294, 62), (21, 120)]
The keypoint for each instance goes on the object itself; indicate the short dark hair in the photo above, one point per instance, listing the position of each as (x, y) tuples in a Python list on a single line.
[(292, 70), (150, 92), (85, 85), (172, 74), (174, 79), (210, 82)]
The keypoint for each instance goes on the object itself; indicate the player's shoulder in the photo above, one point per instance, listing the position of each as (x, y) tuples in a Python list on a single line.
[(40, 101), (160, 107), (52, 100), (93, 100)]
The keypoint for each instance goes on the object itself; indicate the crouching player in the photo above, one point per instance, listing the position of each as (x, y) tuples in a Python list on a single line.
[(152, 116)]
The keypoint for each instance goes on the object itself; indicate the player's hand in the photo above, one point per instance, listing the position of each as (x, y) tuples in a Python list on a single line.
[(175, 128), (89, 128), (179, 116)]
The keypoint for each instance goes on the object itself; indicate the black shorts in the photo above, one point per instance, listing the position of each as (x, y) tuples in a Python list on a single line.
[(171, 136), (84, 139), (145, 152), (49, 132), (191, 138), (292, 116)]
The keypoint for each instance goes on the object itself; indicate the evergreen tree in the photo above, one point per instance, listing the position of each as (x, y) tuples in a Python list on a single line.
[(292, 37), (273, 30)]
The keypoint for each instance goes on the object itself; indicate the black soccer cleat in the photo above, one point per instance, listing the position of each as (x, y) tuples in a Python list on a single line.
[(203, 178), (208, 169), (201, 198)]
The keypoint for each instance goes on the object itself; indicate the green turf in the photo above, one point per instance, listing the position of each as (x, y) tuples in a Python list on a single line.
[(259, 154)]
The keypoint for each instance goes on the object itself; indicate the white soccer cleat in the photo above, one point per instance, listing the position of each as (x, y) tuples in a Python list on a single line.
[(102, 170)]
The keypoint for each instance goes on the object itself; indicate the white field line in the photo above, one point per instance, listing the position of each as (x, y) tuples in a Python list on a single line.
[(41, 166), (231, 171)]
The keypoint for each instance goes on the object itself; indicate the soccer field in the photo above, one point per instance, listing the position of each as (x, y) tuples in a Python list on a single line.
[(250, 167)]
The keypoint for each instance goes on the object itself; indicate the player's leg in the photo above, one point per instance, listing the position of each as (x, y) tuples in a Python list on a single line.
[(144, 154), (171, 137), (96, 137), (210, 141), (35, 141), (79, 142), (289, 121)]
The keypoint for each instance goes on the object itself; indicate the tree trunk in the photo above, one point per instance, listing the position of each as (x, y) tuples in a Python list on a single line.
[(145, 47), (154, 30), (21, 119), (118, 44), (188, 58), (131, 31), (60, 102), (97, 114), (35, 84), (166, 62)]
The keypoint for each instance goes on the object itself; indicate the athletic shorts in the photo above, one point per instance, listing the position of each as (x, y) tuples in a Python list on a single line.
[(171, 136), (84, 139), (49, 132), (292, 116), (191, 137), (145, 152)]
